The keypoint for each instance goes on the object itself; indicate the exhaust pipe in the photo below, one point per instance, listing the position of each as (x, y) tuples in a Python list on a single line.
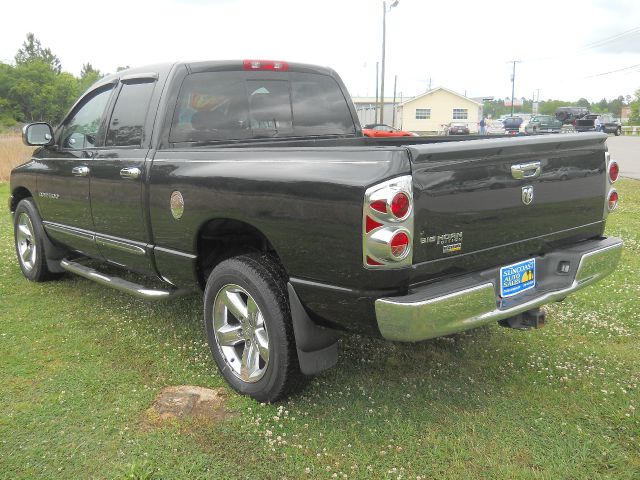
[(525, 321)]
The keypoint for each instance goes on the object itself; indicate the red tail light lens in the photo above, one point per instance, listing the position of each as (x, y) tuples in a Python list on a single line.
[(400, 205), (399, 244), (372, 224), (265, 65), (613, 200), (380, 206), (614, 171), (371, 261)]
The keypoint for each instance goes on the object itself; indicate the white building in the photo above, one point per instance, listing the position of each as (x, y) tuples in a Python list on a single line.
[(427, 113)]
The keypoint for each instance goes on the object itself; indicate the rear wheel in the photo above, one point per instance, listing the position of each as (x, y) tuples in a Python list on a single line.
[(29, 241), (248, 325), (618, 132)]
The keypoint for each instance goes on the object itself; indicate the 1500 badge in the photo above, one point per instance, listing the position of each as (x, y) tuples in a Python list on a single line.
[(451, 242)]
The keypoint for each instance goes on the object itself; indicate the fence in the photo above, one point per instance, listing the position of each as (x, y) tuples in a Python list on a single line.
[(631, 130)]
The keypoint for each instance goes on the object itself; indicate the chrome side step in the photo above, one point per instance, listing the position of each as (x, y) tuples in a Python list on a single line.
[(118, 283)]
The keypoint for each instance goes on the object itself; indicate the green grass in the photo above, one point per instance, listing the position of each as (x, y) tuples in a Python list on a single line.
[(81, 364)]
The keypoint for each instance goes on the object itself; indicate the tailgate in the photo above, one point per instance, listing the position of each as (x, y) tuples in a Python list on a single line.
[(469, 204), (585, 123)]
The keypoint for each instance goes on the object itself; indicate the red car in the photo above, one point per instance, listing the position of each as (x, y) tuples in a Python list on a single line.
[(382, 130)]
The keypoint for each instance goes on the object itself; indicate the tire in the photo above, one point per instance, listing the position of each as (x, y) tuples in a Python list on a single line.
[(255, 353), (29, 236), (618, 132)]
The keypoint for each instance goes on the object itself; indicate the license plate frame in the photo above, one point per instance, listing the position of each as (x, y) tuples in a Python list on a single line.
[(517, 278)]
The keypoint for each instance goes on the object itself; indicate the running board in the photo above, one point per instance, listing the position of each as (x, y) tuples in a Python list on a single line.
[(118, 283)]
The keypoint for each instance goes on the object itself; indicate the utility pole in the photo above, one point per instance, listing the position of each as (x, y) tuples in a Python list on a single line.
[(395, 83), (513, 82), (376, 110), (384, 38)]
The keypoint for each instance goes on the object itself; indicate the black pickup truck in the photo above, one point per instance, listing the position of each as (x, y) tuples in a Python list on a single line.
[(251, 180), (599, 122)]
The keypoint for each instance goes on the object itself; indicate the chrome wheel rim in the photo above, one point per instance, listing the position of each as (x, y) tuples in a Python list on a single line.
[(27, 252), (241, 333)]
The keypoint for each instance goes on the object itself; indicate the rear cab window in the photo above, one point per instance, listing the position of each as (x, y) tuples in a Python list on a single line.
[(231, 105)]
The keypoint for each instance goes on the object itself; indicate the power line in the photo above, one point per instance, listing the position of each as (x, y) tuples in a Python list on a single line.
[(589, 46), (613, 71), (610, 39)]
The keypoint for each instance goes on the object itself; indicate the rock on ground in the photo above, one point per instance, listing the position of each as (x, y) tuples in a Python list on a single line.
[(189, 401)]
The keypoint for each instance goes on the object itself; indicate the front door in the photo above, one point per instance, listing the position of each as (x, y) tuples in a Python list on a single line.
[(64, 187), (117, 180)]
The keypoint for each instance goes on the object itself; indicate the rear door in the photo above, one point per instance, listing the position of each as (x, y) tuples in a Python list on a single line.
[(117, 177), (64, 198), (496, 200)]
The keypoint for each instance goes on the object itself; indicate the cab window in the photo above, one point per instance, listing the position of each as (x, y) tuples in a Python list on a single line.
[(126, 126), (215, 106), (82, 129)]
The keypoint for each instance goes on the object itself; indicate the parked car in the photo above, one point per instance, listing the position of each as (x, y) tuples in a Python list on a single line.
[(383, 130), (544, 124), (611, 124), (496, 128), (458, 128), (569, 115), (251, 181), (607, 124), (512, 125), (526, 118)]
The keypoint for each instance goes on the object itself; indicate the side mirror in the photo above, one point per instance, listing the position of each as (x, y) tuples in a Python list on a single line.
[(37, 134)]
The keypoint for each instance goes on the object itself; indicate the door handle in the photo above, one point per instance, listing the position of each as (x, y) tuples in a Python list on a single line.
[(130, 172), (526, 170), (81, 171)]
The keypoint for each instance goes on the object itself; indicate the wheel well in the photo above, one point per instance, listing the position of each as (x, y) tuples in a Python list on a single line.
[(224, 238), (18, 194)]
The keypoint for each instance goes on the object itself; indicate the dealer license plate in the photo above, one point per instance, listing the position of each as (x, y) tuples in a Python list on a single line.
[(517, 278)]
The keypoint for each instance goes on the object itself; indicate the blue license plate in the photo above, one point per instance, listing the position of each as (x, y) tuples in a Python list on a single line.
[(517, 278)]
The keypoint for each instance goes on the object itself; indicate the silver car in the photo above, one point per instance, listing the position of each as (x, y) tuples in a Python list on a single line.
[(496, 128)]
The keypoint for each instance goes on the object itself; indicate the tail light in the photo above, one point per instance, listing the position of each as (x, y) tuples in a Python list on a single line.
[(613, 172), (613, 200), (265, 65), (388, 224)]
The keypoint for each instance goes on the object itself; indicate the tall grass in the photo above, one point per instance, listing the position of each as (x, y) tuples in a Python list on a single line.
[(12, 152)]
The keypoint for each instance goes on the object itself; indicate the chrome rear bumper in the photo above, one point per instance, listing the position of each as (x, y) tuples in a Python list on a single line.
[(471, 301)]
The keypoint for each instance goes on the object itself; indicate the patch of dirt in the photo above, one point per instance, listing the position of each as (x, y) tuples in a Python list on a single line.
[(188, 402)]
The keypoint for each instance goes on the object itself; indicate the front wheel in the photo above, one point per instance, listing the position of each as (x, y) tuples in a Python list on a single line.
[(29, 241), (618, 132), (248, 325)]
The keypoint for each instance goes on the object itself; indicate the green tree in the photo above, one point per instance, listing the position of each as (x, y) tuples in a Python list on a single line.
[(583, 102), (88, 76), (32, 90), (549, 107), (634, 118), (32, 50)]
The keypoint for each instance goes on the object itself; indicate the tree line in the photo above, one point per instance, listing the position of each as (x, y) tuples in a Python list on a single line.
[(35, 87), (496, 108)]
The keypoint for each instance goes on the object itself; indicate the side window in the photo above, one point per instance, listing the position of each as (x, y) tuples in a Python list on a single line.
[(127, 120), (82, 129)]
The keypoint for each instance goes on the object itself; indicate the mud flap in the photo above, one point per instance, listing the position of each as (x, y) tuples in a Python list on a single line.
[(317, 346)]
